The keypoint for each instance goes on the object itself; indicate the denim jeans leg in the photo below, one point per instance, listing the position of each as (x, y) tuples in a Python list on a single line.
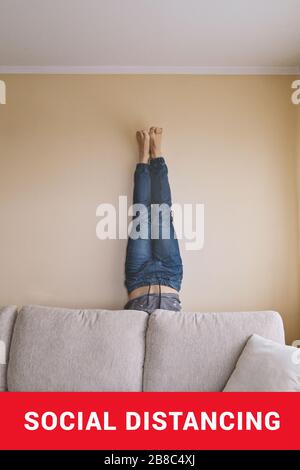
[(139, 251), (165, 250)]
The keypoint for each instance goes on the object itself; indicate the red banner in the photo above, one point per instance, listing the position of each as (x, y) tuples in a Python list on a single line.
[(156, 421)]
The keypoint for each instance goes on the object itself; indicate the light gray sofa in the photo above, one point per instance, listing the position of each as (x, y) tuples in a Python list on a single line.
[(56, 349)]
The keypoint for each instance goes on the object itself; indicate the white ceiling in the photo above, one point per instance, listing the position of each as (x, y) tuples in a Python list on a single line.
[(150, 35)]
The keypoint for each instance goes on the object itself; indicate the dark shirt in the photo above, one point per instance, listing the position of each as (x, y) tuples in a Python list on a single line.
[(150, 302)]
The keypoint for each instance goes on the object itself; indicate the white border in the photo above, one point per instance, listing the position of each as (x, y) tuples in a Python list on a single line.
[(149, 70)]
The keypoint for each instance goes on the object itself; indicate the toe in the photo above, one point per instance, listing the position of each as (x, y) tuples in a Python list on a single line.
[(158, 130)]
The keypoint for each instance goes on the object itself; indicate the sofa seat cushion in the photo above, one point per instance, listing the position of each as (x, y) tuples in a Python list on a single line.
[(189, 351), (56, 349)]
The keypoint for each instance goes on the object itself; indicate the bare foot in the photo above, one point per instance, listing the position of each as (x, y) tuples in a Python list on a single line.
[(143, 139), (155, 142)]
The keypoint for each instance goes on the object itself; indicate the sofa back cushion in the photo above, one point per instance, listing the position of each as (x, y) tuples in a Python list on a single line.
[(188, 351), (7, 319), (55, 349)]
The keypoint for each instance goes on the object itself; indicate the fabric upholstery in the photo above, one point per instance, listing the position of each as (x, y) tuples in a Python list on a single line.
[(266, 366), (188, 351), (7, 319), (55, 349)]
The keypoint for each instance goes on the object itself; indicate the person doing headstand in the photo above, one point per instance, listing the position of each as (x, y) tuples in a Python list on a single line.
[(153, 267)]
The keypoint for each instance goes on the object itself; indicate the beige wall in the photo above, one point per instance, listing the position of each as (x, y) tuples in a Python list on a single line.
[(67, 144)]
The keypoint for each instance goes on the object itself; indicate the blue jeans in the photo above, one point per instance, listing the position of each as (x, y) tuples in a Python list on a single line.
[(153, 260)]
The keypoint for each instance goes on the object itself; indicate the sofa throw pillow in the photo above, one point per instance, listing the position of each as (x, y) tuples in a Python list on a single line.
[(266, 366), (7, 319)]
